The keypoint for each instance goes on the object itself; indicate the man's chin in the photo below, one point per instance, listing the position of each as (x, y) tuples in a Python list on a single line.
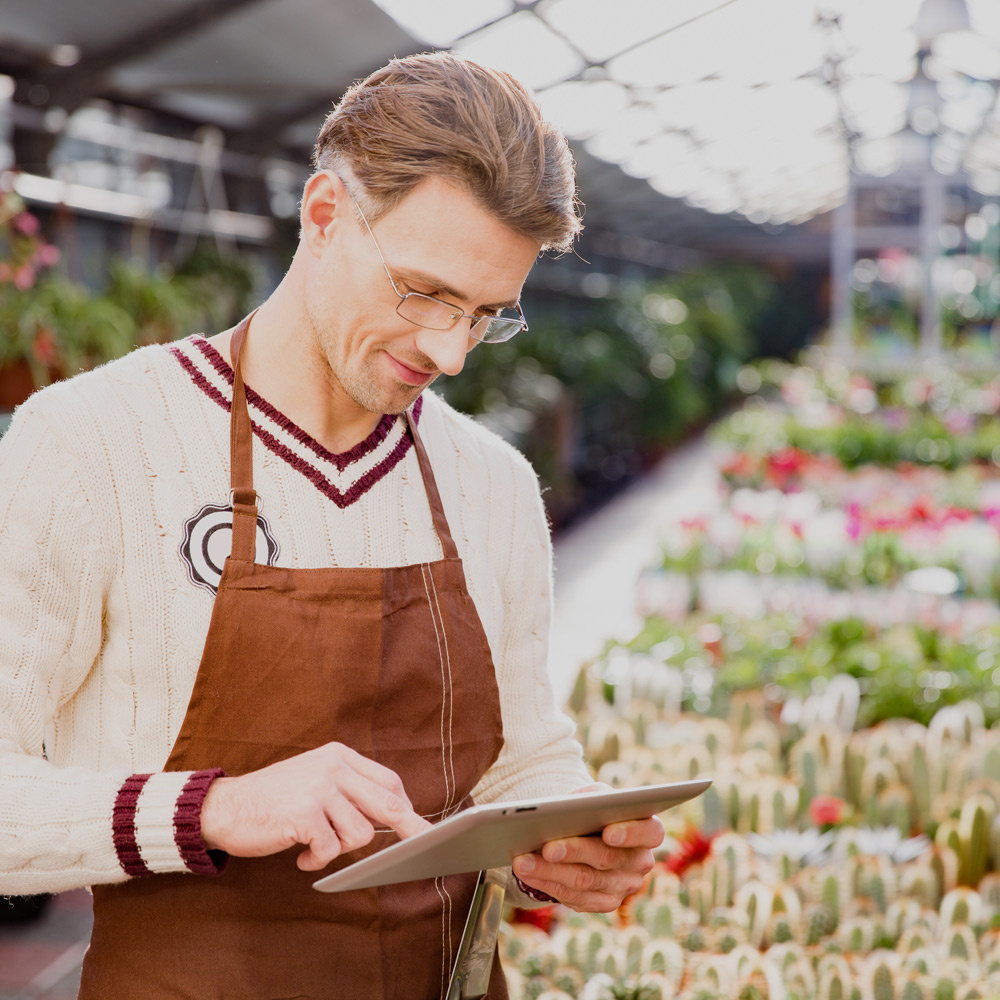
[(394, 402)]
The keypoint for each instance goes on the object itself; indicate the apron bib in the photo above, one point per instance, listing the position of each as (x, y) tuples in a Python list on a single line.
[(393, 663)]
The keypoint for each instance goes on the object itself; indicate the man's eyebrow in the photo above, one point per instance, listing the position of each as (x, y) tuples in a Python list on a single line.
[(423, 278)]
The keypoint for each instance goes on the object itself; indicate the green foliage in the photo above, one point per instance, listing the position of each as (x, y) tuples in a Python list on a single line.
[(588, 394), (904, 671), (61, 326)]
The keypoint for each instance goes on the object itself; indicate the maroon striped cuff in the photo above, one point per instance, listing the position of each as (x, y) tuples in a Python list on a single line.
[(187, 825), (123, 826), (536, 894)]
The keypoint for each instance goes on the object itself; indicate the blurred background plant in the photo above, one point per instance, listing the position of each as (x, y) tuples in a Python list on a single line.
[(593, 398), (52, 326)]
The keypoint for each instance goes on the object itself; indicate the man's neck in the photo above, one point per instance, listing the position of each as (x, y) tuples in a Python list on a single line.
[(279, 364)]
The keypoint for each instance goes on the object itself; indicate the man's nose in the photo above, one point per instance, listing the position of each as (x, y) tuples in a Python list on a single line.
[(447, 348)]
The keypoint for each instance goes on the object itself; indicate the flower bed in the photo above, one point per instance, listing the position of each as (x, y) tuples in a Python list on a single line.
[(822, 637)]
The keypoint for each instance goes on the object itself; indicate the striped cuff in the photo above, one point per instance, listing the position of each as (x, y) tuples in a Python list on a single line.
[(187, 825), (123, 826), (536, 894), (156, 824)]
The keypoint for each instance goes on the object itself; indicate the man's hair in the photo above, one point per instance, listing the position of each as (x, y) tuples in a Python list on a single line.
[(438, 115)]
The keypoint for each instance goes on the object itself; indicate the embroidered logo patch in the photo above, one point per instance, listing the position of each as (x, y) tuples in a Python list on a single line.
[(208, 540)]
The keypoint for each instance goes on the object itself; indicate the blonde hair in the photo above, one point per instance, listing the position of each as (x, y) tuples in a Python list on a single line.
[(436, 114)]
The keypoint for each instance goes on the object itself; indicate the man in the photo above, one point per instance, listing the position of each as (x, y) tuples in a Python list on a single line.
[(267, 605)]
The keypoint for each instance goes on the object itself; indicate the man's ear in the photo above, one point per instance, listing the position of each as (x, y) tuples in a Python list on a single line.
[(323, 198)]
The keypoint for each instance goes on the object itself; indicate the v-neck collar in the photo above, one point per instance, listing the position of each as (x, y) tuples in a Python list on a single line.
[(344, 477)]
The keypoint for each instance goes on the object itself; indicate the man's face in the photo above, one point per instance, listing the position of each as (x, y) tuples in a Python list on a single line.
[(438, 241)]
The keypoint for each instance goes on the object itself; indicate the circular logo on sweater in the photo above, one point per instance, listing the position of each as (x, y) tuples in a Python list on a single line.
[(208, 540)]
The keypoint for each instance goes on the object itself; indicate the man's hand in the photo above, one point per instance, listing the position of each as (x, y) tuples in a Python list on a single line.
[(330, 799), (594, 874)]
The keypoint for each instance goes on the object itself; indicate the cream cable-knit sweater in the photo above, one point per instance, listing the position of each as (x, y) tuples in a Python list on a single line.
[(108, 557)]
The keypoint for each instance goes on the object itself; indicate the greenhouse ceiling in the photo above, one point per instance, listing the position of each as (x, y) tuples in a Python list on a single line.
[(712, 124), (748, 106)]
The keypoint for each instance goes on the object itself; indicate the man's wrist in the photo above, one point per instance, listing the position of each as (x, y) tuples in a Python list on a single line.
[(533, 893), (199, 855)]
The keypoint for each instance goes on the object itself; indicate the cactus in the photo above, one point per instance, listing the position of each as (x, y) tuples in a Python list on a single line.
[(945, 988), (607, 738), (830, 895), (695, 939), (632, 942), (896, 808), (877, 775), (960, 943), (854, 767), (757, 901), (857, 934), (961, 906), (836, 981), (915, 988), (921, 784), (818, 922), (974, 823), (664, 956), (779, 929), (989, 892), (991, 763), (882, 986), (944, 864), (712, 811)]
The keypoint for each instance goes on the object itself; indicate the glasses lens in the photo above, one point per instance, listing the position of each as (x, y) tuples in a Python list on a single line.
[(427, 312), (497, 329)]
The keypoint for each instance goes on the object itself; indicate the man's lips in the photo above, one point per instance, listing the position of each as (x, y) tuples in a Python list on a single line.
[(411, 376)]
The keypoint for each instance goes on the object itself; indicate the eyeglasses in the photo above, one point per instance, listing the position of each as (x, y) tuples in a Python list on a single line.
[(436, 314)]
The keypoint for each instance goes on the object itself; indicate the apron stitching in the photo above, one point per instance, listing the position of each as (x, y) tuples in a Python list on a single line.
[(442, 892), (444, 693), (451, 689)]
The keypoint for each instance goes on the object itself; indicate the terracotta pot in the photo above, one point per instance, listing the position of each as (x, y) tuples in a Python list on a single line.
[(16, 384)]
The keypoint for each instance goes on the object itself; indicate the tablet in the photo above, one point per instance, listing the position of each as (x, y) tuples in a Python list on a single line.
[(489, 836)]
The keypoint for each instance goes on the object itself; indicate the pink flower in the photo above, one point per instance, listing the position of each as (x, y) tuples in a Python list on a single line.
[(47, 255), (25, 222), (854, 522), (24, 277)]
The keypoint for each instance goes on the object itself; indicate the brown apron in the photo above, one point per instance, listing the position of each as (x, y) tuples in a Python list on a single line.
[(391, 662)]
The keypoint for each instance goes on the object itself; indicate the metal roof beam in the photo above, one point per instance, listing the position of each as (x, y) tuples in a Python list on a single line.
[(70, 86)]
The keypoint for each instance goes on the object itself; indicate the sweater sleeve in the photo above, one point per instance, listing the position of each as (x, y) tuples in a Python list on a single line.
[(63, 827), (540, 755)]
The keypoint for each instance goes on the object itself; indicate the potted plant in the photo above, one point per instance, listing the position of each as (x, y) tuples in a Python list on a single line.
[(26, 349)]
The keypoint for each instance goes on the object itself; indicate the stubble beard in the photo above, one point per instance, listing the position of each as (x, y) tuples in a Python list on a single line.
[(363, 386)]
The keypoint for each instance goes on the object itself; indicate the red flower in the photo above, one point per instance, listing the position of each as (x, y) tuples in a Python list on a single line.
[(922, 509), (44, 348), (740, 465), (786, 464), (826, 810), (710, 636), (542, 918), (692, 848)]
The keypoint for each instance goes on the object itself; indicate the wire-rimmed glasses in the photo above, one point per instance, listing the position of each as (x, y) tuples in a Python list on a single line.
[(436, 314)]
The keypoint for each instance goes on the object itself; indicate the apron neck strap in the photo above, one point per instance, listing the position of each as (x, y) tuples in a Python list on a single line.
[(242, 495), (448, 548)]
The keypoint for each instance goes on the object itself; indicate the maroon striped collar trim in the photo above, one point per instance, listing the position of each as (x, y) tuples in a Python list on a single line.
[(311, 466)]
